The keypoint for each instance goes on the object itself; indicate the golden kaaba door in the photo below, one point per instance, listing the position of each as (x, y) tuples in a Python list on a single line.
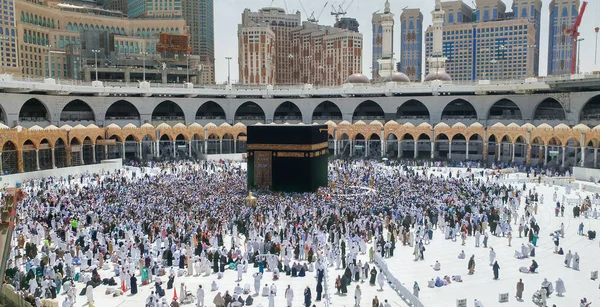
[(263, 169)]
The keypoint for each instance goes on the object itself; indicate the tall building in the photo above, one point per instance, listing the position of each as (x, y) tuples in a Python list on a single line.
[(457, 12), (347, 23), (199, 18), (53, 48), (256, 54), (154, 9), (325, 55), (411, 40), (281, 24), (117, 5), (500, 45), (436, 61), (560, 45), (531, 10), (383, 40), (8, 37)]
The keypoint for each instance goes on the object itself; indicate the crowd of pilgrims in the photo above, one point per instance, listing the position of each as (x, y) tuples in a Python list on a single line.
[(152, 225)]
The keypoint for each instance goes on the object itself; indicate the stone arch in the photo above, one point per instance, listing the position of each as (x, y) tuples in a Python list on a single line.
[(368, 110), (34, 110), (549, 109), (168, 111), (249, 111), (122, 110), (459, 109), (413, 109), (210, 110), (77, 110), (327, 110), (505, 109), (591, 110), (287, 111)]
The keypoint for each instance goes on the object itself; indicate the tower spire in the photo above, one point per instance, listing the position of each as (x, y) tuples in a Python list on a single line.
[(437, 61)]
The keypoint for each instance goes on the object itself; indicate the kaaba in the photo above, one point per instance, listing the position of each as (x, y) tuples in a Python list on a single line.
[(287, 158)]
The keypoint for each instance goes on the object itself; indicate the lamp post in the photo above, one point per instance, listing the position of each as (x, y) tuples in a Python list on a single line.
[(143, 53), (309, 62), (578, 52), (291, 57), (187, 67), (228, 58), (4, 39), (96, 51)]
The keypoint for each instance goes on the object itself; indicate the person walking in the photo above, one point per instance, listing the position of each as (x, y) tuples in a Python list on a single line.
[(471, 265), (496, 269), (416, 289)]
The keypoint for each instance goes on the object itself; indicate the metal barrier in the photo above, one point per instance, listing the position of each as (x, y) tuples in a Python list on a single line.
[(404, 293)]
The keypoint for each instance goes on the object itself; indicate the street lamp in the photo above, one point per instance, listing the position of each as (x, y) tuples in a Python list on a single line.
[(578, 51), (143, 53), (187, 67), (96, 51), (4, 39), (309, 62), (228, 58)]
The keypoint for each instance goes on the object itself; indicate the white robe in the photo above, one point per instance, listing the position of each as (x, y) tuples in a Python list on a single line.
[(200, 297), (272, 300), (560, 287), (380, 280), (89, 292), (289, 295)]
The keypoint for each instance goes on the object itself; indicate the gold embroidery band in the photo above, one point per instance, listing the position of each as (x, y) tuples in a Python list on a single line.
[(287, 154), (298, 147)]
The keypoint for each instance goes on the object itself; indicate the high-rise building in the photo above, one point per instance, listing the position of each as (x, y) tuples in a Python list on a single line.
[(499, 45), (8, 37), (117, 5), (560, 45), (457, 12), (325, 55), (347, 23), (154, 9), (411, 40), (383, 41), (281, 24), (199, 18), (256, 54), (531, 10)]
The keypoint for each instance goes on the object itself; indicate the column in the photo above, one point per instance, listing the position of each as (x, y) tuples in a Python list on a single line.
[(93, 153), (467, 151), (399, 148), (53, 159), (351, 147), (383, 146), (582, 156), (449, 150), (1, 172), (595, 157), (499, 151), (174, 149), (484, 154), (563, 157), (221, 146), (140, 150), (335, 147), (81, 154), (20, 161), (37, 159), (416, 153), (123, 150), (366, 148), (528, 155), (432, 149), (514, 146), (545, 154), (235, 146)]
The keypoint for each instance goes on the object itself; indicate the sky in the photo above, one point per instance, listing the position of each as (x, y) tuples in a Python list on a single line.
[(228, 14)]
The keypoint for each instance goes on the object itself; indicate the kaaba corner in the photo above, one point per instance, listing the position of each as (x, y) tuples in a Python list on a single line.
[(287, 158)]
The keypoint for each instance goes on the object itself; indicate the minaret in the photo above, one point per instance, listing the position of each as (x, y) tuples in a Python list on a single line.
[(387, 62), (437, 61)]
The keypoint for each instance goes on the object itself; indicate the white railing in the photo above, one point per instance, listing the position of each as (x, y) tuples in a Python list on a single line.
[(404, 293), (326, 283)]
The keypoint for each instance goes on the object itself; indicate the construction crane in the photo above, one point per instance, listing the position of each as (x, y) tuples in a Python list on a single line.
[(312, 15), (340, 11), (574, 34)]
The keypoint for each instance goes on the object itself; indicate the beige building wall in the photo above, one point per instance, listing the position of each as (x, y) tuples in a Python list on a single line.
[(62, 27), (256, 45)]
